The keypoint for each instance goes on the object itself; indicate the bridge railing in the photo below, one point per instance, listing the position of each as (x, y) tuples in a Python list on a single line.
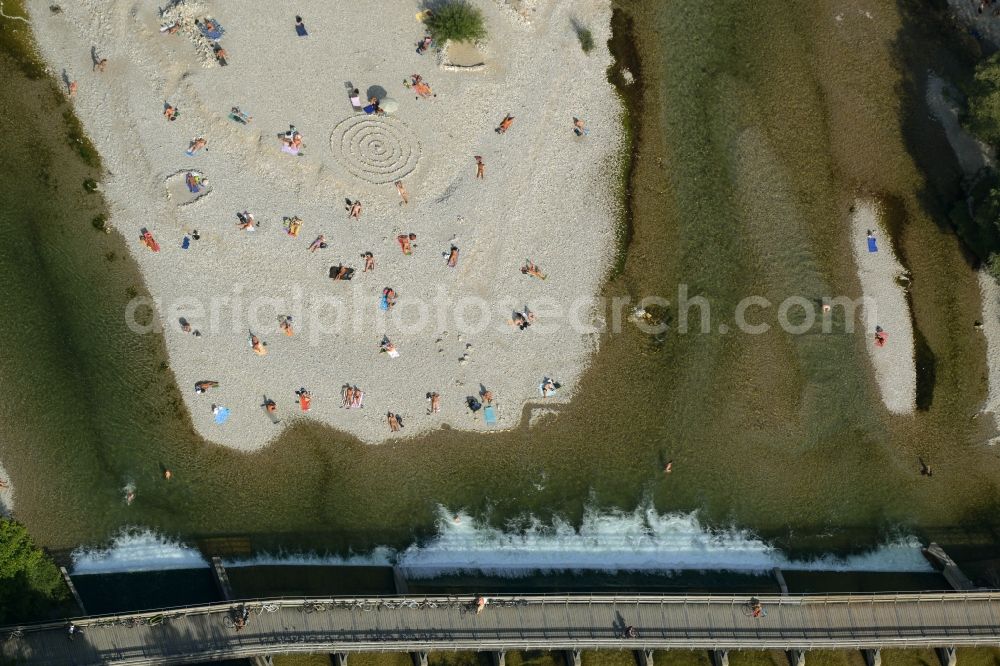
[(767, 600)]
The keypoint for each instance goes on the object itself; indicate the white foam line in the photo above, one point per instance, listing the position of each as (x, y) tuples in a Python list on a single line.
[(607, 541), (137, 550)]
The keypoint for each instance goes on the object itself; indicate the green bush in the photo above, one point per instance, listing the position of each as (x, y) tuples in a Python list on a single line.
[(993, 266), (586, 39), (983, 115), (455, 20), (30, 583)]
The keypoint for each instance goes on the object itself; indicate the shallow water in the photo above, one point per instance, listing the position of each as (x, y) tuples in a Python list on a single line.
[(760, 125)]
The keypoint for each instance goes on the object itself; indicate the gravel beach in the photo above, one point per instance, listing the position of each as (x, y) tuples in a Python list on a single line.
[(893, 362), (548, 195)]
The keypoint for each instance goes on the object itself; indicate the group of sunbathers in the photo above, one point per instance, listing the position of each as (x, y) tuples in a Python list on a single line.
[(523, 319), (195, 181), (353, 397), (292, 139)]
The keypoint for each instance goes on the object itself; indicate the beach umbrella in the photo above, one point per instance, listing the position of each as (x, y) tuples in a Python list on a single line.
[(389, 105)]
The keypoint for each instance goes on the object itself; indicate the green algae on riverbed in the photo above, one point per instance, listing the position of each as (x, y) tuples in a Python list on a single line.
[(759, 126)]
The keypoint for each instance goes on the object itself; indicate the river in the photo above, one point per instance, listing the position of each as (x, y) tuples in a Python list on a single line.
[(759, 123)]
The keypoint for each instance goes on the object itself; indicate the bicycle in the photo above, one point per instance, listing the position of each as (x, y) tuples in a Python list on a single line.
[(310, 607), (236, 618), (753, 609)]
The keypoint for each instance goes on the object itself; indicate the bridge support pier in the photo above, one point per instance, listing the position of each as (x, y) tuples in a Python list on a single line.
[(339, 659), (797, 657), (573, 658), (719, 657), (499, 658), (644, 657), (947, 656), (419, 658), (872, 657), (780, 578)]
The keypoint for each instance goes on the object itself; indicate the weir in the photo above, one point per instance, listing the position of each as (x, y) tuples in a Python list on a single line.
[(569, 623)]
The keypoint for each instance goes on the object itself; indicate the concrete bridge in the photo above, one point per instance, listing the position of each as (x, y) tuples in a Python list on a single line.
[(419, 625)]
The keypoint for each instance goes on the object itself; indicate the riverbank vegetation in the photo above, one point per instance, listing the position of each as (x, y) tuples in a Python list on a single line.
[(30, 584)]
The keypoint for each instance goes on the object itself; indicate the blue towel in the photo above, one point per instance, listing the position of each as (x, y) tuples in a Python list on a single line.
[(370, 109), (221, 415), (186, 243), (489, 414), (300, 30), (872, 245), (383, 303), (212, 34)]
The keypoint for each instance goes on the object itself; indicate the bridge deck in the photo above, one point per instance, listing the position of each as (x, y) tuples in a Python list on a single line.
[(189, 635)]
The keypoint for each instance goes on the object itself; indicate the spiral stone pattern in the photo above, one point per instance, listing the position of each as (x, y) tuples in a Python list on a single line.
[(377, 149)]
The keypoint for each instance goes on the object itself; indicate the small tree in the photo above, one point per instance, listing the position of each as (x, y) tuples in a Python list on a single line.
[(983, 117), (455, 20)]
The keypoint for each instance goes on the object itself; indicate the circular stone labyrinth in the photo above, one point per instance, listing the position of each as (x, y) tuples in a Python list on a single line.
[(377, 149)]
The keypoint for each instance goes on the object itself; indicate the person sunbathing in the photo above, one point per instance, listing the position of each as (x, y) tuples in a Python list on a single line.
[(257, 346), (285, 324), (318, 244), (270, 406), (453, 257), (880, 337), (348, 394), (531, 269), (239, 116), (548, 388), (305, 399), (354, 211), (357, 402), (394, 424), (404, 241), (342, 272), (422, 89), (196, 145), (390, 297), (369, 262), (505, 124), (435, 400), (246, 221), (292, 226), (220, 55), (424, 44), (403, 194), (204, 385), (169, 112)]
